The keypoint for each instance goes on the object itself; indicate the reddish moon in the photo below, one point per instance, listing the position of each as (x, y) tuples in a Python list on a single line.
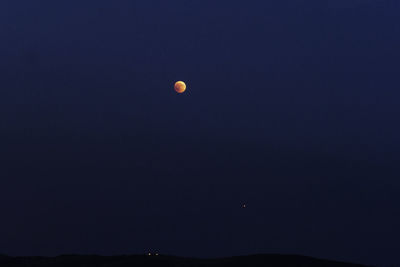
[(180, 87)]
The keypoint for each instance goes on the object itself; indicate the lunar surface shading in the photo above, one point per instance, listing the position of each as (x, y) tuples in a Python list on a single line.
[(180, 87)]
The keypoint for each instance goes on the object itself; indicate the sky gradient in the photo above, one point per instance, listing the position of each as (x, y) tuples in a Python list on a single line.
[(292, 107)]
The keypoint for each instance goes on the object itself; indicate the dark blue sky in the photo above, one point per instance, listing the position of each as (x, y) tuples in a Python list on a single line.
[(292, 107)]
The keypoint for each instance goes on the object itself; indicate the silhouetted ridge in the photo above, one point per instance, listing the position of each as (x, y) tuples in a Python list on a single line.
[(267, 260)]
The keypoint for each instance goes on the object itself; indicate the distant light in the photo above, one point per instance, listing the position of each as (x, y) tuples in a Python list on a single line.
[(149, 254), (156, 254), (244, 206)]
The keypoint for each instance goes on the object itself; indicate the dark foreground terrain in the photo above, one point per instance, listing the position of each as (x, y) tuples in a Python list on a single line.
[(169, 261)]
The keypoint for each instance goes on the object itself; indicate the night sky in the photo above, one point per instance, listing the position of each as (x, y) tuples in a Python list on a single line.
[(292, 108)]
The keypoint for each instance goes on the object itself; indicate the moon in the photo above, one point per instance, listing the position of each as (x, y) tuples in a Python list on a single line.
[(180, 87)]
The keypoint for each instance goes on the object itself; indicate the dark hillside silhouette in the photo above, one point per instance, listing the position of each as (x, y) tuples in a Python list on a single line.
[(270, 260)]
